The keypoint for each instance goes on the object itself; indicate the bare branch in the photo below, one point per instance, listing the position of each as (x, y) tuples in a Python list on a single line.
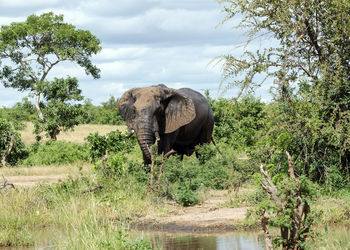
[(92, 189), (290, 166), (264, 223), (269, 187)]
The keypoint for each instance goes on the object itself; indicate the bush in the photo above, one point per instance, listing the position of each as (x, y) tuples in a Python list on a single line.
[(184, 178), (106, 114), (8, 136), (56, 153), (114, 142), (185, 196), (238, 122)]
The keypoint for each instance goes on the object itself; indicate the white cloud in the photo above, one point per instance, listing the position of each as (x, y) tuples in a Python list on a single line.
[(26, 3), (144, 42)]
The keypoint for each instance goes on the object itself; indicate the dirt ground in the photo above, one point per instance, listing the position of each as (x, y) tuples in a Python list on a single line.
[(31, 180), (210, 216)]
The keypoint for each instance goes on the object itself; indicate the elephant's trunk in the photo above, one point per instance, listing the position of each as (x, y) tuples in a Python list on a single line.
[(145, 139)]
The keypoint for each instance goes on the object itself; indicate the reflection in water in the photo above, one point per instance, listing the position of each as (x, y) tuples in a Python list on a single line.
[(173, 241)]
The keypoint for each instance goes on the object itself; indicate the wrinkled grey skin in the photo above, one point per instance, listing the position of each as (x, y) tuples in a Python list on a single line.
[(178, 119)]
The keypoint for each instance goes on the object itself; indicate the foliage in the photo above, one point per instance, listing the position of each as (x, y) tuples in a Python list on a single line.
[(237, 123), (113, 142), (60, 107), (107, 113), (55, 153), (9, 136), (29, 50), (183, 179), (112, 149), (288, 208), (19, 113), (308, 61)]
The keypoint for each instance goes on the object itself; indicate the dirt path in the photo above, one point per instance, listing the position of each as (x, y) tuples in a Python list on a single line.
[(210, 216), (31, 180)]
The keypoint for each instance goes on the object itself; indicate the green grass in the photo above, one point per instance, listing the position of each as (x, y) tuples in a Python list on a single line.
[(99, 219), (92, 220)]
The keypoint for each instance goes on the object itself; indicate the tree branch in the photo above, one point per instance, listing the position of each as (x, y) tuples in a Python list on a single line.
[(269, 187)]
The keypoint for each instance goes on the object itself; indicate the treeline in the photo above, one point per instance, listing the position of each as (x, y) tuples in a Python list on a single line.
[(105, 113), (262, 132)]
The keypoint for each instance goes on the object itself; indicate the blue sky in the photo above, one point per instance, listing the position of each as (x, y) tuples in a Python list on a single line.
[(144, 42)]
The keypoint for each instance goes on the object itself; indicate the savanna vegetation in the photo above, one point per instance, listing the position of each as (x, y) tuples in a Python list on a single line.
[(293, 151)]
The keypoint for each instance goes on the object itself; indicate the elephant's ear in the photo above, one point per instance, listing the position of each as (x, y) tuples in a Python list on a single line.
[(126, 106), (179, 112)]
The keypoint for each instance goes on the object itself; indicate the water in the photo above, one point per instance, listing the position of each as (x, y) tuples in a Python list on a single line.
[(227, 241)]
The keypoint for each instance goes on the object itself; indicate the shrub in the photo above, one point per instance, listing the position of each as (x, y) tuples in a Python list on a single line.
[(114, 142), (184, 178), (8, 136), (238, 122), (55, 153), (185, 196)]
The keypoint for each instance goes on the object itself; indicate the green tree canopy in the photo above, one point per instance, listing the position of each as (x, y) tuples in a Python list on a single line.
[(60, 106), (310, 68), (30, 49)]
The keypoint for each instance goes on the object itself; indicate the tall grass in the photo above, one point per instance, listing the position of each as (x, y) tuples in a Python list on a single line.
[(76, 220)]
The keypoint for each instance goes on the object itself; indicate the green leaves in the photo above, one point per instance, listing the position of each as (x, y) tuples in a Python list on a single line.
[(238, 123), (61, 108), (35, 46), (307, 61), (12, 149), (28, 52)]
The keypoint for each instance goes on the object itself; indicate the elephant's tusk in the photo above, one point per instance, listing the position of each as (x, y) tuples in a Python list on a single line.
[(130, 133), (156, 134)]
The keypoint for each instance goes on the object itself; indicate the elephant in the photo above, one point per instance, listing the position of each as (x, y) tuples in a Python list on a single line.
[(178, 119)]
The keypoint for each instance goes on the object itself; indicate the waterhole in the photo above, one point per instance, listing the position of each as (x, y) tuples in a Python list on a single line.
[(226, 241)]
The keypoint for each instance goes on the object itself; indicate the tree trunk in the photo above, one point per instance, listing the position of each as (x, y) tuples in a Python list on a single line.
[(53, 134), (37, 106)]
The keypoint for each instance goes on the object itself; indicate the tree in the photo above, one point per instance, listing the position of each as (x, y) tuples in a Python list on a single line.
[(287, 207), (310, 68), (29, 50), (60, 107)]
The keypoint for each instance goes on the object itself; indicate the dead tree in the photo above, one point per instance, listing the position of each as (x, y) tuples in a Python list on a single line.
[(295, 234)]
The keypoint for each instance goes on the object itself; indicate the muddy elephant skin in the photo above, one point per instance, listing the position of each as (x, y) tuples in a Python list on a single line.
[(178, 119)]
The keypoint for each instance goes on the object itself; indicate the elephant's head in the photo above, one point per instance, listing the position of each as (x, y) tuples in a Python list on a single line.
[(153, 111)]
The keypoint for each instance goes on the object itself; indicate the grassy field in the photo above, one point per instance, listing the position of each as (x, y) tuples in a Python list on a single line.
[(77, 219), (70, 169), (77, 135)]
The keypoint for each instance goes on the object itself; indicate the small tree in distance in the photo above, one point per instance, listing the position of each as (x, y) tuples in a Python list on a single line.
[(60, 107), (29, 50)]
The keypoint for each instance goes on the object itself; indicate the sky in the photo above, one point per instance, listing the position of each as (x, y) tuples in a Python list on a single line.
[(144, 43)]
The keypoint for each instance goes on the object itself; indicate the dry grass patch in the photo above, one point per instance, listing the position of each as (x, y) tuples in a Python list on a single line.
[(70, 169), (77, 135)]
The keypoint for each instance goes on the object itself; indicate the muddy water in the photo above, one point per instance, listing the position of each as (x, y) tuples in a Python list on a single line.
[(226, 241)]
